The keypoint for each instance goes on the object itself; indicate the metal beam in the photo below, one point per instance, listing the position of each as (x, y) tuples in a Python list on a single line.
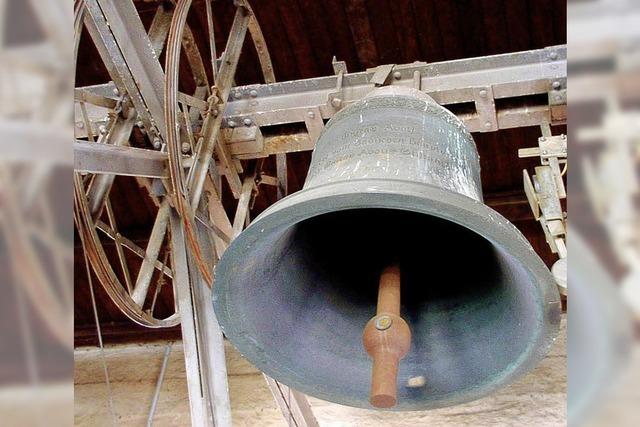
[(119, 160), (138, 53), (495, 92), (127, 52), (113, 59), (512, 75), (202, 337), (293, 404), (184, 300), (210, 341)]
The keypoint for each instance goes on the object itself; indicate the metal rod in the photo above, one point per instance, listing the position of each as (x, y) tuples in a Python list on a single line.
[(156, 394)]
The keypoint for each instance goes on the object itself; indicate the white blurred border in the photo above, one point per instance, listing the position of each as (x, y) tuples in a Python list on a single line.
[(604, 244), (36, 230)]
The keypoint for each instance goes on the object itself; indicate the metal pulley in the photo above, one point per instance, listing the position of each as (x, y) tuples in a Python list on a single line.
[(394, 181)]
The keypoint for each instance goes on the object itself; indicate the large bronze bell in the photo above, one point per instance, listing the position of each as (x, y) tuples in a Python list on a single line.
[(394, 186)]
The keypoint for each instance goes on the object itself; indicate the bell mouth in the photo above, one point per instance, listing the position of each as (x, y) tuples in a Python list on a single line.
[(295, 290)]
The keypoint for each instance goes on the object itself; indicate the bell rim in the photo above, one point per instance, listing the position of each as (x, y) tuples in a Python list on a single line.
[(399, 195)]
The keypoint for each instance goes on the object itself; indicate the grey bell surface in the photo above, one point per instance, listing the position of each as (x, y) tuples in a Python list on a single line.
[(393, 176)]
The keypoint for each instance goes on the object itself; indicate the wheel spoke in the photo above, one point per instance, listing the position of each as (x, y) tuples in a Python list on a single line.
[(212, 124), (118, 241), (101, 185), (159, 284), (129, 244), (212, 40), (242, 209), (160, 29), (139, 294)]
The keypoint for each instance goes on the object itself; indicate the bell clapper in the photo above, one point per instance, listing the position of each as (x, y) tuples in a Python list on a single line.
[(386, 339)]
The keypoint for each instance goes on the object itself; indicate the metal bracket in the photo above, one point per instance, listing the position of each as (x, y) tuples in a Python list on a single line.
[(338, 66), (486, 108), (381, 74)]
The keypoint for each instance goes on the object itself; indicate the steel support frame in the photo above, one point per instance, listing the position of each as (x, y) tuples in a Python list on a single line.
[(202, 338), (511, 90), (511, 75)]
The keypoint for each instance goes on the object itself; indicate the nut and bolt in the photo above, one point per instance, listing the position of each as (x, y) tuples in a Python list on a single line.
[(483, 93), (157, 143), (311, 114), (102, 129), (116, 92), (556, 85), (383, 323), (553, 55), (336, 102), (487, 125), (247, 121), (563, 137), (397, 75), (558, 97), (253, 93), (186, 147), (140, 124), (237, 95), (80, 125), (231, 124)]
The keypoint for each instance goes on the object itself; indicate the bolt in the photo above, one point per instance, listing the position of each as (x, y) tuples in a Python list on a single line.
[(214, 111), (157, 143), (247, 121), (543, 139), (253, 93), (397, 75), (487, 125), (336, 102), (483, 93), (140, 124), (383, 323), (544, 151), (237, 95), (80, 125), (231, 124), (186, 147), (556, 85), (563, 136), (553, 55), (102, 129), (116, 92), (311, 115), (558, 98)]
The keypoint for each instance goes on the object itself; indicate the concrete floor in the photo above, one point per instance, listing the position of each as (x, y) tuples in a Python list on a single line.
[(539, 399)]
